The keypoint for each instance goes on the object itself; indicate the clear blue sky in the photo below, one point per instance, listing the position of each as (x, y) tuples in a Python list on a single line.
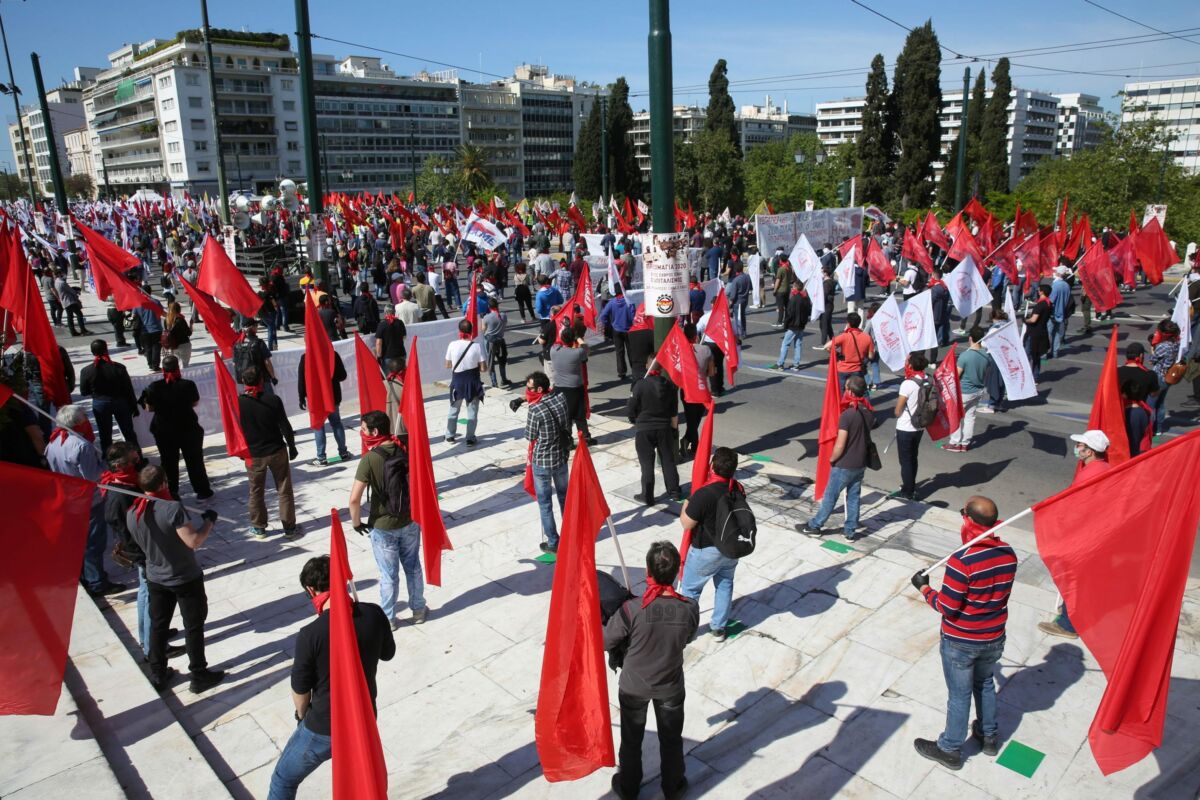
[(784, 42)]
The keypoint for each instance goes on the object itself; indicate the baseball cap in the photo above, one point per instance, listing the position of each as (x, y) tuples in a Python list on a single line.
[(1096, 440)]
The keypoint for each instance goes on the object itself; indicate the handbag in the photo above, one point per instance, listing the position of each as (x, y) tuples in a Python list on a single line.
[(1175, 374), (873, 460)]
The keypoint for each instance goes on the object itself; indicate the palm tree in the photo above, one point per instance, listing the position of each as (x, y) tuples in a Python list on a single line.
[(472, 169)]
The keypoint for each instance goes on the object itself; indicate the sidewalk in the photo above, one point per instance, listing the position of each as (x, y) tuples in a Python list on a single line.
[(836, 672)]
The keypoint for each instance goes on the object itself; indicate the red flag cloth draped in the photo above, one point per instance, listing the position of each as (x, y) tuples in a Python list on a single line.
[(572, 726), (950, 410), (585, 299), (472, 314), (700, 466), (359, 769), (965, 245), (1124, 591), (987, 235), (845, 247), (39, 581), (216, 318), (231, 415), (109, 263), (1048, 251), (29, 316), (1024, 223), (221, 278), (318, 365), (956, 226), (720, 330), (914, 251), (1060, 234), (878, 267), (422, 486), (1154, 251), (1005, 259), (678, 360), (831, 410), (1096, 274), (372, 395), (1080, 238), (1030, 253), (932, 232), (1124, 259), (1108, 409), (977, 213)]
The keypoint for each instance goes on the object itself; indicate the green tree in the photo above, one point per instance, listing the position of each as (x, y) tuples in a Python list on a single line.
[(772, 174), (439, 182), (719, 115), (624, 176), (472, 169), (993, 138), (947, 186), (586, 168), (687, 174), (718, 173), (80, 186), (975, 111), (918, 105), (876, 143)]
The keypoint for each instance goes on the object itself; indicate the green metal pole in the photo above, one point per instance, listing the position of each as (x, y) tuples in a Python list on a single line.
[(604, 147), (316, 192), (222, 185), (12, 85), (960, 179), (60, 188), (662, 143)]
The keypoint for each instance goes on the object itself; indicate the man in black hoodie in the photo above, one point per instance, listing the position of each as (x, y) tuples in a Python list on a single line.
[(654, 411), (272, 443), (335, 418)]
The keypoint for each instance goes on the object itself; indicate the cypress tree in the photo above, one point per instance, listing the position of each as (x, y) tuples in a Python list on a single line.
[(993, 138), (586, 168), (975, 112), (624, 176), (947, 185), (719, 115), (918, 105), (876, 146)]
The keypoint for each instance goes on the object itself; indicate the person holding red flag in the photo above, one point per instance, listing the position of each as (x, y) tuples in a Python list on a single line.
[(848, 461), (654, 411), (311, 743), (271, 445)]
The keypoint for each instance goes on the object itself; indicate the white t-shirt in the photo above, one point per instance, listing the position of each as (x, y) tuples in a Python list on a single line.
[(471, 360), (910, 275), (908, 389)]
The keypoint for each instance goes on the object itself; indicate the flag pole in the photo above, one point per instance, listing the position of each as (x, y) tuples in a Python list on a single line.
[(620, 556), (978, 539)]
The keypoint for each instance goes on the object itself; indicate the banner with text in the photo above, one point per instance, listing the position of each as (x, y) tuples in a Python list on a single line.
[(820, 226)]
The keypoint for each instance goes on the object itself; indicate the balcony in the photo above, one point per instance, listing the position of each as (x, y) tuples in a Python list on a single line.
[(140, 94), (247, 128), (148, 157), (124, 122), (135, 136)]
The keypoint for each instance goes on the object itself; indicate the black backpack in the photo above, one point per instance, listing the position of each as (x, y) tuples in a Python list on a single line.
[(922, 279), (395, 482), (736, 532), (928, 403), (244, 356)]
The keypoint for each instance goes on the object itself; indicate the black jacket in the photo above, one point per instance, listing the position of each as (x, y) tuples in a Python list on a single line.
[(656, 636), (339, 375), (265, 425), (107, 379), (798, 313), (654, 403)]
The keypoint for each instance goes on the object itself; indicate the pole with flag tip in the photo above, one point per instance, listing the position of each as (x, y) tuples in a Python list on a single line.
[(612, 531), (989, 532)]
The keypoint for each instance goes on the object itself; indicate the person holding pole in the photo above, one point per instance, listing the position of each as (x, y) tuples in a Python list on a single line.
[(973, 602)]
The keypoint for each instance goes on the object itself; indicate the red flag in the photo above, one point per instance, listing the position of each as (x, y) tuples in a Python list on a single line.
[(422, 486), (318, 365), (1005, 258), (359, 770), (1060, 234), (976, 212), (690, 220), (987, 236), (720, 330), (1154, 250), (109, 263), (216, 318), (30, 318), (231, 415), (1081, 238), (584, 299), (950, 409), (372, 395), (1108, 409), (956, 226), (932, 232), (678, 360), (1096, 274), (572, 725), (39, 580), (472, 314), (845, 247), (1048, 251), (1125, 592), (831, 410), (1124, 259), (221, 278), (914, 251), (5, 393), (878, 267), (965, 245)]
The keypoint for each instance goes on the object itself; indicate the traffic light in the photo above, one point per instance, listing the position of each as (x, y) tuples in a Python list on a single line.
[(843, 192)]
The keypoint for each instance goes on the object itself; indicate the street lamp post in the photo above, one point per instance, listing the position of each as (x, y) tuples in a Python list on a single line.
[(325, 160), (662, 135), (222, 185), (810, 164)]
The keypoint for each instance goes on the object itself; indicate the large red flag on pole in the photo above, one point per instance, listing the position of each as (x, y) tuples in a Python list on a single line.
[(39, 581), (720, 330), (1096, 274), (1124, 591), (950, 409), (109, 263), (1154, 250), (1108, 410), (701, 471), (572, 726), (318, 365), (231, 415), (422, 486), (472, 313), (372, 394), (215, 317), (28, 314), (915, 252), (359, 770), (831, 410), (678, 360), (932, 232), (221, 278)]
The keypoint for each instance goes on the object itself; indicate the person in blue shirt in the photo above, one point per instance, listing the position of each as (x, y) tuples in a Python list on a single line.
[(712, 262), (481, 304), (151, 334), (616, 318), (547, 298), (1060, 298)]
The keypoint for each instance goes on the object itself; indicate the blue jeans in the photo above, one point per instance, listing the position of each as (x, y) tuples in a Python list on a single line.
[(272, 322), (339, 436), (704, 563), (1159, 405), (968, 670), (452, 418), (94, 576), (304, 752), (1063, 620), (394, 549), (850, 480), (1058, 332), (143, 611), (453, 296), (105, 409), (873, 366), (548, 481), (790, 338)]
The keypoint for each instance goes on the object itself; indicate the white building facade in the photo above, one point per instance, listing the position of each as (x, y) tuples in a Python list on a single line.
[(1175, 102), (65, 104)]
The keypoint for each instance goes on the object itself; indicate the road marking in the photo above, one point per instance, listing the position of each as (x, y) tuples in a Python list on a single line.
[(837, 547), (1021, 759)]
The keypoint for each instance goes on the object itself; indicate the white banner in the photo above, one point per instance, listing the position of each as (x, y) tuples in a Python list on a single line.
[(816, 292), (1181, 316), (1004, 345), (919, 330), (665, 273), (754, 270), (967, 289), (887, 326), (823, 225)]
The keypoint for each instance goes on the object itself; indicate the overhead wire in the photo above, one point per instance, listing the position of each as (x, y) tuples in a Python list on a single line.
[(1137, 22)]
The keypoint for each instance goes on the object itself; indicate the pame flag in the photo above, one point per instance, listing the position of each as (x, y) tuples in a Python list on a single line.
[(483, 233)]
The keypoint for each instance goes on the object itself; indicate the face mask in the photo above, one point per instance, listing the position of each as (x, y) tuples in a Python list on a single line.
[(1079, 452)]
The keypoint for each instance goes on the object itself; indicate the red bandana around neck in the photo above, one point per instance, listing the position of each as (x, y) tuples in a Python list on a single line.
[(533, 398), (125, 476), (142, 503), (655, 590), (911, 374), (467, 337), (970, 529), (398, 377), (851, 400), (84, 429), (254, 391), (1160, 337), (103, 358), (318, 600), (1136, 362), (371, 441), (172, 376)]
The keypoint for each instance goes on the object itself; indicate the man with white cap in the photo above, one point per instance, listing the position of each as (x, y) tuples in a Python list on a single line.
[(1091, 450), (1060, 299)]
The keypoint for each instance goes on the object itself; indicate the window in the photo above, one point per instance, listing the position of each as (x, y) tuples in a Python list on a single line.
[(288, 84), (200, 146), (191, 79), (293, 147), (176, 167), (194, 102), (203, 166), (290, 125), (164, 82), (294, 167), (168, 104), (289, 105), (198, 123), (174, 147), (170, 126)]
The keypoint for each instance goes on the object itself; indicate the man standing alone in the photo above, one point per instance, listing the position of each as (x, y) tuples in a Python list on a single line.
[(272, 443), (546, 425), (654, 410), (173, 399), (112, 395)]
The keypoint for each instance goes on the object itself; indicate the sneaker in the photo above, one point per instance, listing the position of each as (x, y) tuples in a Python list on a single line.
[(205, 680), (850, 536), (451, 439), (679, 791), (641, 498), (990, 745), (777, 325), (719, 634), (929, 749), (591, 441), (162, 683), (548, 548), (419, 617), (676, 497), (985, 410), (794, 368), (1054, 629), (896, 494), (258, 533), (107, 589), (293, 533), (776, 366), (347, 456), (203, 497), (808, 530), (470, 442), (318, 462)]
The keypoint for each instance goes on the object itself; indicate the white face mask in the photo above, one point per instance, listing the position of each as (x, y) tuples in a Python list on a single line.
[(1079, 452)]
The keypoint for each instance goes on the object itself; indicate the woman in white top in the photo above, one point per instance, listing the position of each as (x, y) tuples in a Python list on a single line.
[(908, 435), (466, 361)]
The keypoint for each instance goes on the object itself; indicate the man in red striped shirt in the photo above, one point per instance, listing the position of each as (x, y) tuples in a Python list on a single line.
[(973, 603)]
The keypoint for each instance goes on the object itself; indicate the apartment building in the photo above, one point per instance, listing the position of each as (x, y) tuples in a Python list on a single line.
[(1175, 102), (65, 104), (1081, 123)]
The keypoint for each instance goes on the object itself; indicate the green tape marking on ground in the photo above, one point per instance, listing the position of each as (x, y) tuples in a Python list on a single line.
[(734, 627), (837, 547), (333, 460), (462, 422), (547, 558), (1021, 759), (760, 458)]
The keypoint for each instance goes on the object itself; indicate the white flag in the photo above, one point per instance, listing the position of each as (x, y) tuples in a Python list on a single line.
[(845, 272), (642, 207), (887, 326), (497, 202), (816, 292), (596, 208), (1004, 345), (1181, 317), (574, 200), (967, 289), (754, 270), (919, 329), (804, 260), (483, 233), (614, 277)]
